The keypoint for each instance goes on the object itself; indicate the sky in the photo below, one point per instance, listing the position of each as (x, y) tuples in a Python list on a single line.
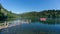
[(22, 6)]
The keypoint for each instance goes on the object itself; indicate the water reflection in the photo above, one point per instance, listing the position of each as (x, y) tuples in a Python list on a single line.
[(32, 28), (51, 21)]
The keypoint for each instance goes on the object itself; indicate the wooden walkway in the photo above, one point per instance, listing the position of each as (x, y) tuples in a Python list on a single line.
[(1, 27), (6, 25)]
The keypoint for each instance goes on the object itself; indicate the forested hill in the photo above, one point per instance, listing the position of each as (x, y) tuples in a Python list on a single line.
[(5, 13), (32, 14), (45, 13)]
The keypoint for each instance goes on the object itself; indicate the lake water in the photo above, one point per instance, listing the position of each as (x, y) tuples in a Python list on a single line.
[(31, 28)]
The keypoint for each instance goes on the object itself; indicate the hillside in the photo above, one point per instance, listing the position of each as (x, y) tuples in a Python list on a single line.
[(45, 13), (9, 14)]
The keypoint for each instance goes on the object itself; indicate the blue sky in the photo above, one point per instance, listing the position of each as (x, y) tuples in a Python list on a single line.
[(21, 6)]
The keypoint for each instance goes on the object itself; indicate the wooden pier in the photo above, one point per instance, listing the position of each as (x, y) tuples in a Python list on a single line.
[(6, 24)]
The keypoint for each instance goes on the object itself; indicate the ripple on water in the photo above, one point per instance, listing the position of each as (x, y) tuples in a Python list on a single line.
[(33, 28)]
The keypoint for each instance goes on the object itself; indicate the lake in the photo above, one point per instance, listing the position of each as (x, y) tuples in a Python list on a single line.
[(30, 28)]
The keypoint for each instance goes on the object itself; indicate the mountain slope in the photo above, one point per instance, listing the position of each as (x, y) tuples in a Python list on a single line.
[(9, 14), (45, 13)]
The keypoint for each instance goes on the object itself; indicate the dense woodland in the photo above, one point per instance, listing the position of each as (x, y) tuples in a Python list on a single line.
[(45, 14)]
